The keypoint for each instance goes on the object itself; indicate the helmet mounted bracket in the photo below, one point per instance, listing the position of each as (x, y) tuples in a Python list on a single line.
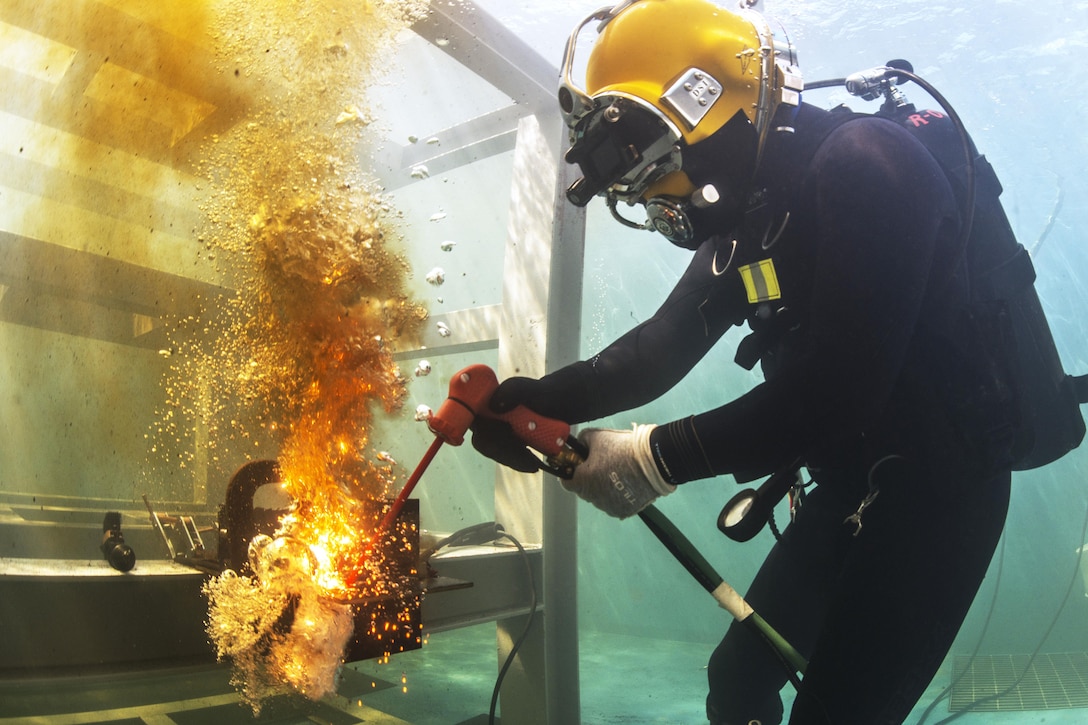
[(692, 96)]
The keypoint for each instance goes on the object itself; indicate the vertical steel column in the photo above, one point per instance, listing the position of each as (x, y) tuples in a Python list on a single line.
[(539, 330), (560, 509)]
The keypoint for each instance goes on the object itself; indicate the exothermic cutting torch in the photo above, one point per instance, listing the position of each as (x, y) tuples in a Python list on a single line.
[(469, 396), (470, 391)]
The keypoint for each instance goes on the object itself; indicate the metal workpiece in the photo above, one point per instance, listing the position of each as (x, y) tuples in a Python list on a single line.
[(494, 587)]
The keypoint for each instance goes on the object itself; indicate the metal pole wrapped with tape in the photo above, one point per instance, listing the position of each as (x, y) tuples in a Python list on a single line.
[(727, 597)]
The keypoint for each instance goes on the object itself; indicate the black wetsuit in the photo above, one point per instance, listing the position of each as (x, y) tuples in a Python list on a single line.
[(864, 359)]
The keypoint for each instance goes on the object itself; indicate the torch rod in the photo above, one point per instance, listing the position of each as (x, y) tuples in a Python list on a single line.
[(398, 503)]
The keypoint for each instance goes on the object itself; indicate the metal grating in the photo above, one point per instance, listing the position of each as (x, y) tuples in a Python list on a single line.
[(1055, 681)]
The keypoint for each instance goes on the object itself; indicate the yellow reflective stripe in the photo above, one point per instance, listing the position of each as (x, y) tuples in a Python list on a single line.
[(760, 281)]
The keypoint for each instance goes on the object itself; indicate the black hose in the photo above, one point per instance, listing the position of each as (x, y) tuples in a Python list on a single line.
[(697, 565), (968, 160), (682, 549), (524, 633), (981, 637), (829, 83), (1038, 647), (482, 534)]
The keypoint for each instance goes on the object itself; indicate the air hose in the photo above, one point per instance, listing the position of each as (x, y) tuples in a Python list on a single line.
[(482, 534)]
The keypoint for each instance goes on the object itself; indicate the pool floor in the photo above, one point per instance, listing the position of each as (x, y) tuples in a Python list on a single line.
[(448, 682)]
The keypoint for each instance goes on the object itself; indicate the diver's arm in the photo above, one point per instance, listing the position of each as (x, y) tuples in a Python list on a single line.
[(881, 210)]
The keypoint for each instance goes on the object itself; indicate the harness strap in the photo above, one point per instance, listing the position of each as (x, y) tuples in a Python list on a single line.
[(1079, 383)]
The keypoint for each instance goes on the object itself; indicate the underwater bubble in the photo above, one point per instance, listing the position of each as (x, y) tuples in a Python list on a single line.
[(283, 556), (349, 114), (438, 216), (448, 246), (423, 369), (291, 213), (436, 276), (420, 172), (424, 412), (443, 329)]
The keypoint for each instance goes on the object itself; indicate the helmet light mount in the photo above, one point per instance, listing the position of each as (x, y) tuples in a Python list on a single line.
[(621, 149), (761, 77)]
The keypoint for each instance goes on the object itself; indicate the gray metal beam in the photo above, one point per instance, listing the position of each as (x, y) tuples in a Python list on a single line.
[(536, 329), (470, 36), (473, 328), (500, 586), (199, 77), (490, 50), (479, 138), (51, 287), (560, 516), (539, 330)]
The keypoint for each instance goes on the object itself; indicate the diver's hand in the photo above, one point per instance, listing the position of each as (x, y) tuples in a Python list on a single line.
[(620, 476), (495, 439), (543, 396)]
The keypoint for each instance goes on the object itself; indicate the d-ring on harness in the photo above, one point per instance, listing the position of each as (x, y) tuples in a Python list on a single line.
[(874, 491), (855, 518)]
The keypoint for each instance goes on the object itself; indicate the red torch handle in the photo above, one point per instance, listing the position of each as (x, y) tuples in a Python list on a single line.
[(470, 391)]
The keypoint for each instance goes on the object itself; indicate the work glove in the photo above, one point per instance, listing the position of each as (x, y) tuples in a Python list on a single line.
[(620, 476)]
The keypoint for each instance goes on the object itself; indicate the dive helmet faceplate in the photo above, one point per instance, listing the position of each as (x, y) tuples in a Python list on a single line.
[(662, 77)]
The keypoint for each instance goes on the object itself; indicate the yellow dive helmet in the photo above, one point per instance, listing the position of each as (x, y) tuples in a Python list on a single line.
[(663, 76)]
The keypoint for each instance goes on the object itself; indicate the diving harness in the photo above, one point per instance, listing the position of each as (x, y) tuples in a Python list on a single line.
[(1049, 421)]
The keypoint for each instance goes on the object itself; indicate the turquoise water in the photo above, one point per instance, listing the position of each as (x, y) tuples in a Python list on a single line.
[(1006, 68), (645, 628)]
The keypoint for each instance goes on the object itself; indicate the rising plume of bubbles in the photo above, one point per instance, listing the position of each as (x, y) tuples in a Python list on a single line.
[(280, 628), (299, 360)]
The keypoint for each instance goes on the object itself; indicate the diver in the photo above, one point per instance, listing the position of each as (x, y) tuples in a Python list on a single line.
[(837, 239)]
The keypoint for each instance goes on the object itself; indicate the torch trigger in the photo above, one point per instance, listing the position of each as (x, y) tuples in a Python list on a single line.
[(563, 463)]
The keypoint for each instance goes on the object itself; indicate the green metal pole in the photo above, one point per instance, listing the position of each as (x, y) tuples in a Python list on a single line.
[(697, 565)]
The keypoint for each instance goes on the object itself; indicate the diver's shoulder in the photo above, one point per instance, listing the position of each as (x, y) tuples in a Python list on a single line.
[(845, 136), (812, 126), (852, 129)]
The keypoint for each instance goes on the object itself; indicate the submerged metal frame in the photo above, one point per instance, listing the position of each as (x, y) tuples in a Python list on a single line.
[(542, 278), (535, 329)]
